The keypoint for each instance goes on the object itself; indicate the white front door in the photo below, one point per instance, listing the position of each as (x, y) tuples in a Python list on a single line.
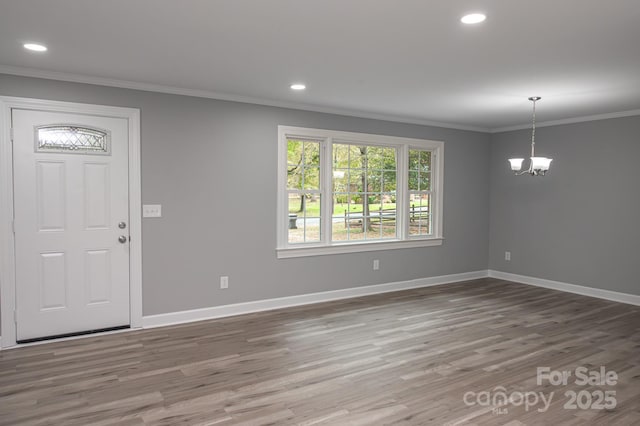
[(71, 205)]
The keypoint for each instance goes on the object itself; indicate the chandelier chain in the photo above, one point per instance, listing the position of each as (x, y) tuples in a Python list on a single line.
[(533, 129)]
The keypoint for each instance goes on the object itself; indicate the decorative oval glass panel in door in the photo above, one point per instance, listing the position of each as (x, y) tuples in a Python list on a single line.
[(68, 138)]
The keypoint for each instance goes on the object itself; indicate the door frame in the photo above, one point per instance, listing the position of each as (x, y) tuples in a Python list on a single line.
[(8, 315)]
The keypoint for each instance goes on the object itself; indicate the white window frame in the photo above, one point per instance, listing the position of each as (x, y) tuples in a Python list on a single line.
[(326, 246)]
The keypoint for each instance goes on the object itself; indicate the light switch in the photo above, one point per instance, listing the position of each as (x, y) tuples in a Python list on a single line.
[(151, 210)]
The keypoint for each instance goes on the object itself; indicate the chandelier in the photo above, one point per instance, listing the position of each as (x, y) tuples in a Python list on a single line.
[(538, 165)]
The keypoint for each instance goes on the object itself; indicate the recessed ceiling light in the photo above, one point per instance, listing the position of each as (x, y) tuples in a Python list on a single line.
[(473, 18), (35, 47), (298, 86)]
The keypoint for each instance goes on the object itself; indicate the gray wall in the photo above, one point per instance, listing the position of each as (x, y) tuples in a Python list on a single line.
[(210, 163), (579, 224)]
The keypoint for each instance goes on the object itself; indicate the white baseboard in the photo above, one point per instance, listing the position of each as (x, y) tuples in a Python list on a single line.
[(614, 296), (173, 318), (181, 317)]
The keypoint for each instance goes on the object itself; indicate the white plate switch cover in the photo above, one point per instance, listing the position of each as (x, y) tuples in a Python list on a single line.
[(152, 210)]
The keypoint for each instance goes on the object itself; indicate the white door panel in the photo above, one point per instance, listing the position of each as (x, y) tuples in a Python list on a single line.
[(72, 273)]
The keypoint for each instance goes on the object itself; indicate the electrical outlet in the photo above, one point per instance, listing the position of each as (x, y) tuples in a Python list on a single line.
[(507, 256), (376, 264), (224, 282)]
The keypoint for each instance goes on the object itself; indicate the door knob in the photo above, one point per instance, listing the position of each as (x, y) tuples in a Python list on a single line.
[(122, 225), (122, 239)]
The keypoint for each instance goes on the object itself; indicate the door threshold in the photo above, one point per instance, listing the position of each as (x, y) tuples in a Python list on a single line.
[(76, 334)]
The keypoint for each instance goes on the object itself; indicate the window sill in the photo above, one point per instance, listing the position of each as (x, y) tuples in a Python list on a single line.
[(285, 253)]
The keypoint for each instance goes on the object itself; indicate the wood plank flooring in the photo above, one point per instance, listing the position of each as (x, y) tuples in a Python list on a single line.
[(398, 358)]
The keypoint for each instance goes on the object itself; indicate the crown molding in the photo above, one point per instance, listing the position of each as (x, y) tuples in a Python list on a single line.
[(572, 120), (159, 88), (148, 87)]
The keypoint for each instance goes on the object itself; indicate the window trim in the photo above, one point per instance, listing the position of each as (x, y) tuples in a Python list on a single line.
[(326, 139)]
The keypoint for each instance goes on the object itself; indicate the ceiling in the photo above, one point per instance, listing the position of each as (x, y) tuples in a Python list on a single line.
[(405, 60)]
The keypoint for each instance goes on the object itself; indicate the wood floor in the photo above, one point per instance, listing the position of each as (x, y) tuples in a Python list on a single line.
[(399, 358)]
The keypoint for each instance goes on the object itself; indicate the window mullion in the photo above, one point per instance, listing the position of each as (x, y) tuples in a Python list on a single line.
[(326, 191), (402, 188), (434, 196), (283, 196)]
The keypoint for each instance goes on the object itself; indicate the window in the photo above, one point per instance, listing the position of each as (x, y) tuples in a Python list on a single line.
[(363, 190), (72, 139), (342, 192), (419, 192), (303, 190)]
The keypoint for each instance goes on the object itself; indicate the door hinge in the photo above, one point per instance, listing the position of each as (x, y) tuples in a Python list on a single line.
[(13, 226), (15, 316), (11, 134)]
